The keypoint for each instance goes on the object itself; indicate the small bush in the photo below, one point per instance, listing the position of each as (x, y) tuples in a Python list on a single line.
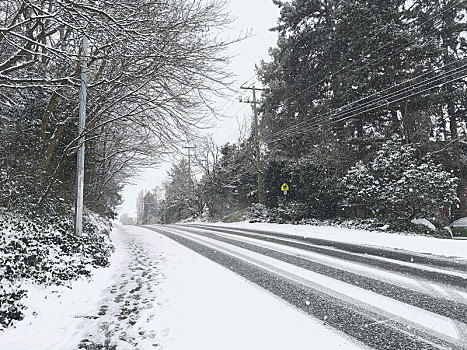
[(258, 213)]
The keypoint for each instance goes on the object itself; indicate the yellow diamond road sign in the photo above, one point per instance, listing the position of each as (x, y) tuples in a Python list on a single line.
[(284, 187)]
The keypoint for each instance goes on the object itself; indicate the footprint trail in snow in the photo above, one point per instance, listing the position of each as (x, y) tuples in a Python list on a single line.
[(129, 305)]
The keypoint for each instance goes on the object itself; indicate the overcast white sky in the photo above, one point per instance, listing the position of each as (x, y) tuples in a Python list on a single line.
[(255, 15)]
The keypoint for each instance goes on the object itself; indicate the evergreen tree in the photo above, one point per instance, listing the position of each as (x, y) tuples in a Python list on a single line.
[(397, 185), (346, 77), (181, 198), (330, 54), (231, 184), (151, 212)]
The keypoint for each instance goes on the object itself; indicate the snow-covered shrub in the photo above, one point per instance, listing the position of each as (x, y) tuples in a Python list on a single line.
[(10, 302), (286, 212), (259, 213), (291, 211), (395, 185), (43, 249)]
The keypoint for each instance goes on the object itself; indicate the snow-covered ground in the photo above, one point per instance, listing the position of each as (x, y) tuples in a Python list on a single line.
[(413, 243), (158, 294), (187, 302)]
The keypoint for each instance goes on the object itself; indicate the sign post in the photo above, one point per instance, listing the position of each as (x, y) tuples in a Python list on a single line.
[(285, 188)]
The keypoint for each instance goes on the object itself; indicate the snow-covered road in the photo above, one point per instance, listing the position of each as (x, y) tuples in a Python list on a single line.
[(158, 294), (384, 298), (197, 287)]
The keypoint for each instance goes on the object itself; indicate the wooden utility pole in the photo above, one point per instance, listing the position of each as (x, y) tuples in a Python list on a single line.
[(258, 158), (405, 124), (189, 158)]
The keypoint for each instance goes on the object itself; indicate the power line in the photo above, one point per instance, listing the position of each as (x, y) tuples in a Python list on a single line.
[(344, 118), (328, 130), (353, 63), (455, 3), (246, 82), (340, 111)]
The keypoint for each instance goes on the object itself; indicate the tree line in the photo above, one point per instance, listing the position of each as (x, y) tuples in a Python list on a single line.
[(152, 68), (363, 115)]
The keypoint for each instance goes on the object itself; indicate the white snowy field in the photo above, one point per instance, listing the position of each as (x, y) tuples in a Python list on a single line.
[(412, 243), (187, 302)]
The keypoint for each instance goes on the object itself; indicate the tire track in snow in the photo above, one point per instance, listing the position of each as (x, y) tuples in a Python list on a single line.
[(371, 328), (439, 305), (358, 254), (411, 257)]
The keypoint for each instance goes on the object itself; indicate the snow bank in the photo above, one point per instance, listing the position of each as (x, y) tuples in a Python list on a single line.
[(460, 222), (55, 318), (420, 244), (424, 222)]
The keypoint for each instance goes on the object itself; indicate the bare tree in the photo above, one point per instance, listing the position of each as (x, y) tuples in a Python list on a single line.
[(153, 67)]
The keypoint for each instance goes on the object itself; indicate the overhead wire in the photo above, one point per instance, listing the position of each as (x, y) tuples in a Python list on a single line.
[(455, 3), (344, 118), (329, 131), (341, 111), (327, 126), (246, 82), (299, 125)]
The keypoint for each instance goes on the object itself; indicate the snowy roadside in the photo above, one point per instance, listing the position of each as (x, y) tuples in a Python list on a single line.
[(55, 315), (181, 301), (412, 243)]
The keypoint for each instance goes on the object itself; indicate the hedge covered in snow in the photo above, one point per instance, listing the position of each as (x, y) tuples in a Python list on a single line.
[(42, 249)]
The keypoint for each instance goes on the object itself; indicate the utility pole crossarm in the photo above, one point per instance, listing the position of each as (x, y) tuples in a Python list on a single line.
[(252, 88)]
